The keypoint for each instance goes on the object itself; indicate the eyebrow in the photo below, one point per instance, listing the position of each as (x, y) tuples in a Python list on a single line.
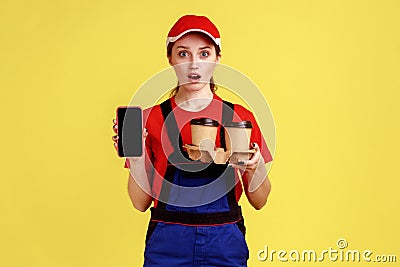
[(185, 47)]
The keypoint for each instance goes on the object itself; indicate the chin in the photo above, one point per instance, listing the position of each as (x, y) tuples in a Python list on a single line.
[(195, 86)]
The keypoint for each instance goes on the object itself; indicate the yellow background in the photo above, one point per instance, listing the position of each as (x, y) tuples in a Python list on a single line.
[(329, 70)]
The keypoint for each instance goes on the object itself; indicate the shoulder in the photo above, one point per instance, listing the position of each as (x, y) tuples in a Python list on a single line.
[(151, 115), (238, 108), (243, 113), (242, 110)]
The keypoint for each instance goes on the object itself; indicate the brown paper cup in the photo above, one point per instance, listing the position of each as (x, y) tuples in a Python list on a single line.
[(204, 132), (237, 136)]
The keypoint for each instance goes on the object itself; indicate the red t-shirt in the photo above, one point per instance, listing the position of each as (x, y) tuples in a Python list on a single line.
[(158, 146)]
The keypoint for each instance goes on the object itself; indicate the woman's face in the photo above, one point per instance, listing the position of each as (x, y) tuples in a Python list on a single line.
[(194, 57)]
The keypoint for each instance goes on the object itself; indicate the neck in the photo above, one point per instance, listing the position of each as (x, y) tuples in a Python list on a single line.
[(193, 100)]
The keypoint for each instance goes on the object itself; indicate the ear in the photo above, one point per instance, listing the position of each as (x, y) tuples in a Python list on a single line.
[(218, 58), (169, 60)]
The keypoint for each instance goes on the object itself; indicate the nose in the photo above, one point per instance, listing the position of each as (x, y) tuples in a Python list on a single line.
[(194, 63)]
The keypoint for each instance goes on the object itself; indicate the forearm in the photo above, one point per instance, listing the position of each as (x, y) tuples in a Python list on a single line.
[(138, 185), (257, 185), (258, 198)]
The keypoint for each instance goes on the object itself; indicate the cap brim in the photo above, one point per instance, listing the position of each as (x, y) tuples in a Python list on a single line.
[(217, 41)]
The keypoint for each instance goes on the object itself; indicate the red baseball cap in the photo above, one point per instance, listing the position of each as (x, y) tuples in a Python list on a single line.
[(193, 23)]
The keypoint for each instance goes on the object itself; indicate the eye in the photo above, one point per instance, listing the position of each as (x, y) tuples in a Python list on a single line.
[(205, 53), (183, 54)]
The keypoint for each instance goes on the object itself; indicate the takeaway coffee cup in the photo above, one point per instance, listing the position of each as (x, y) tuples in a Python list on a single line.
[(204, 132), (237, 136)]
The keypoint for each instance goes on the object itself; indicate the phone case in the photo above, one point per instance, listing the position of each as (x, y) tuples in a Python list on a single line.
[(138, 152)]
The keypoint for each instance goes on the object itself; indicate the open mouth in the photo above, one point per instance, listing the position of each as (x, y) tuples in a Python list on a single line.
[(194, 76)]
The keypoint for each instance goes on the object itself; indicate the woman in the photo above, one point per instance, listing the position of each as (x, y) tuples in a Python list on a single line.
[(196, 229)]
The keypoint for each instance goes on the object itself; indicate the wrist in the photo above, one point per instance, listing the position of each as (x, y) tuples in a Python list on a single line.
[(135, 161), (256, 177)]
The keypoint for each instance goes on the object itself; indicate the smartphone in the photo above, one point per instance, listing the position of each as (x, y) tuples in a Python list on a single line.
[(130, 131)]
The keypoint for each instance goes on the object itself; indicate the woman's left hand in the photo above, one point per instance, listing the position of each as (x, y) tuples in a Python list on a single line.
[(251, 164), (254, 177)]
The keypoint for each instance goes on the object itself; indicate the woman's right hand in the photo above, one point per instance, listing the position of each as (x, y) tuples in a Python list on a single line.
[(138, 185), (115, 137)]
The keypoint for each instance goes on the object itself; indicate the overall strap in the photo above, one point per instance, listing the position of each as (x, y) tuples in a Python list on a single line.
[(172, 130), (171, 124), (179, 155), (227, 116)]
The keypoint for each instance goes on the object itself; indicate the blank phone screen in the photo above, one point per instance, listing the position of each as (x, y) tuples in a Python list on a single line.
[(130, 131)]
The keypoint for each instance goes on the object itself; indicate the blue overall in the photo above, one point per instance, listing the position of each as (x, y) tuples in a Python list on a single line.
[(200, 227)]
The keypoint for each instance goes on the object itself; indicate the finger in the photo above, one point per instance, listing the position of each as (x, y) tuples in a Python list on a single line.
[(257, 154), (255, 146), (116, 146), (254, 158), (114, 121), (247, 165), (145, 132), (115, 138), (240, 166), (115, 128), (252, 163)]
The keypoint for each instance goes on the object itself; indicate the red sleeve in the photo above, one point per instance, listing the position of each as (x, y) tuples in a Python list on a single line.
[(126, 164)]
